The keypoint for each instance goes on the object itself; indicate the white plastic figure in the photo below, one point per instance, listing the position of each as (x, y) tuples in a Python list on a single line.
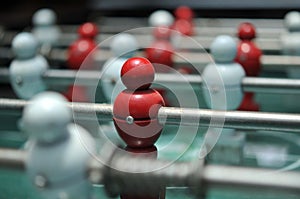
[(161, 18), (222, 90), (123, 46), (290, 40), (27, 68), (45, 28), (58, 150), (222, 80)]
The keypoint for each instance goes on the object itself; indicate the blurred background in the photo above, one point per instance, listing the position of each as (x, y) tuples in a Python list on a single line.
[(17, 13)]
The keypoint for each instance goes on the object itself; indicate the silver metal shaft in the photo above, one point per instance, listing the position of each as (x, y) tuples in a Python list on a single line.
[(132, 174), (187, 116), (230, 119), (265, 27), (92, 78), (12, 158), (198, 58), (263, 179)]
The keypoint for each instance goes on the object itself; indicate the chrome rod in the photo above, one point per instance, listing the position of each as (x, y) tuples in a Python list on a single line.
[(12, 158), (162, 173), (187, 116), (92, 78)]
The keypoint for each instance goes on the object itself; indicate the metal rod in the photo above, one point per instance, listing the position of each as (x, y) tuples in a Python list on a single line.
[(92, 78), (12, 158), (265, 28), (65, 40), (219, 23), (192, 43), (271, 85), (197, 59), (251, 178), (187, 116), (124, 173), (271, 32), (230, 119)]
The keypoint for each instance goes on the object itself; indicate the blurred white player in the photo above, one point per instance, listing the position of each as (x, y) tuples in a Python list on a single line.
[(45, 28), (161, 18), (58, 150), (222, 90), (290, 40), (123, 46), (26, 70)]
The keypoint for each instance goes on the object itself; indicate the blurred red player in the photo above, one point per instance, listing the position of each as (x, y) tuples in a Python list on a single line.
[(248, 55), (184, 12), (160, 52), (81, 48), (184, 23), (80, 57)]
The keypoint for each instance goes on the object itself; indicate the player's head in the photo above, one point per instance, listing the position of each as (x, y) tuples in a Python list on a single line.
[(161, 18), (223, 48), (46, 117), (124, 45), (44, 17), (246, 31), (292, 21), (88, 30), (24, 45)]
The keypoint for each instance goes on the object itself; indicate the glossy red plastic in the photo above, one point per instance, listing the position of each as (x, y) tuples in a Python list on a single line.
[(137, 73), (76, 94), (78, 52), (246, 31), (88, 30), (248, 103), (184, 12), (139, 134), (183, 26), (249, 55), (160, 53), (142, 104), (162, 33)]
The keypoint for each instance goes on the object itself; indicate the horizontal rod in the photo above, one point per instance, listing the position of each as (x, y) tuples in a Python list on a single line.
[(220, 23), (145, 40), (12, 158), (195, 60), (271, 85), (213, 27), (186, 116), (162, 173), (230, 119), (229, 176), (92, 78), (264, 27), (271, 32), (192, 59)]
